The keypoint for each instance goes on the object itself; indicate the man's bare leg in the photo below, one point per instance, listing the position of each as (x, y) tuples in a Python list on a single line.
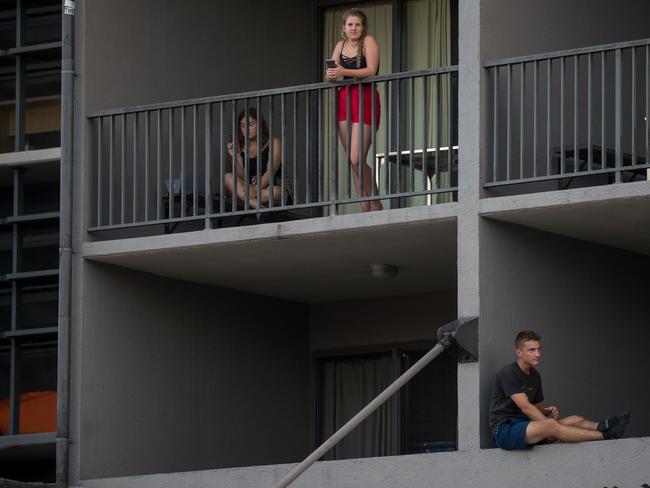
[(538, 430)]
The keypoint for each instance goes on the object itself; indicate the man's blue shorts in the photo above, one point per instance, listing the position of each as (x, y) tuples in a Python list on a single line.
[(511, 434)]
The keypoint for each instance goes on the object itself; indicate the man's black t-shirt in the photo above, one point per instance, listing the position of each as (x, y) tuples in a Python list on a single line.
[(511, 380)]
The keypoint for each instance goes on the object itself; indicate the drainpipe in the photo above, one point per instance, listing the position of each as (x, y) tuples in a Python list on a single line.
[(65, 246)]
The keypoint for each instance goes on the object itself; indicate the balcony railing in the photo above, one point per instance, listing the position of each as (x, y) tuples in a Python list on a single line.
[(569, 114), (169, 163)]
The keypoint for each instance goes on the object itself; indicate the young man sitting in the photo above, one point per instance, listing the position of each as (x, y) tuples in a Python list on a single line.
[(518, 416)]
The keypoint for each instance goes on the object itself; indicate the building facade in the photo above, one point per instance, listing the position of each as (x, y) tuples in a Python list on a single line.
[(207, 342)]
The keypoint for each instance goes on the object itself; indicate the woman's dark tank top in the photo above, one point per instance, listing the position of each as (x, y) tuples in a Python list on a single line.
[(252, 163), (351, 63)]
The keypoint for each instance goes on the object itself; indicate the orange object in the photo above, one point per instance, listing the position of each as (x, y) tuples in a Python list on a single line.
[(37, 413)]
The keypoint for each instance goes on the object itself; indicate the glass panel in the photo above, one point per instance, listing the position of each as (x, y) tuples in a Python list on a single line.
[(429, 405), (37, 380)]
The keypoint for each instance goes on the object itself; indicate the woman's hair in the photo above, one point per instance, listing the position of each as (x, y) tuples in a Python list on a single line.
[(355, 12), (252, 114)]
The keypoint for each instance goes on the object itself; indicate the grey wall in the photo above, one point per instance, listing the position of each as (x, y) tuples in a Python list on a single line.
[(177, 376), (139, 52), (521, 27), (589, 303), (344, 324)]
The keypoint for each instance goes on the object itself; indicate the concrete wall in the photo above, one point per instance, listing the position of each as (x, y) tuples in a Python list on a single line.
[(177, 376), (521, 27), (139, 52), (596, 464), (336, 325), (589, 303)]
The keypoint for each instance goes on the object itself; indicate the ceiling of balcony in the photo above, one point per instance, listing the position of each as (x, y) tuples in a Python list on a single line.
[(621, 222), (317, 267)]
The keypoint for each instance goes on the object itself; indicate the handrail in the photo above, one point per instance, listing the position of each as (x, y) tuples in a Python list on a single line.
[(270, 92), (568, 52)]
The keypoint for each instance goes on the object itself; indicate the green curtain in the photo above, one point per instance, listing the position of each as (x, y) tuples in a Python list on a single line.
[(348, 385), (428, 45)]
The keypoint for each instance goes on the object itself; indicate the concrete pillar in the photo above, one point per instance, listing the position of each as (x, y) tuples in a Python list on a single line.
[(469, 142)]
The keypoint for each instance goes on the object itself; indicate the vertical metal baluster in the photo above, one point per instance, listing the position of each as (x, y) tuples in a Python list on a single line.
[(398, 135), (135, 166), (549, 113), (647, 104), (99, 170), (438, 131), (295, 147), (122, 166), (387, 138), (208, 165), (170, 164), (195, 176), (425, 132), (334, 152), (603, 102), (308, 195), (495, 122), (535, 112), (223, 160), (146, 166), (247, 162), (562, 103), (373, 137), (633, 108), (319, 118), (361, 166), (509, 122), (270, 167), (158, 165), (348, 138), (522, 115), (283, 141), (411, 133), (233, 159), (590, 156), (450, 123), (618, 117), (576, 159), (183, 189), (111, 143)]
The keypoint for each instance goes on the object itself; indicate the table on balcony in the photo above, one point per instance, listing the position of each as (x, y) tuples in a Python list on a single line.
[(443, 164), (581, 163)]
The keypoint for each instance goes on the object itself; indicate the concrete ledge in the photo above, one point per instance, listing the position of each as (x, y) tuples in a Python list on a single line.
[(622, 463), (283, 230), (26, 158), (563, 198)]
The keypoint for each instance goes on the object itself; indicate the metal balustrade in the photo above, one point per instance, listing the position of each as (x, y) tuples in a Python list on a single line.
[(570, 114), (167, 163)]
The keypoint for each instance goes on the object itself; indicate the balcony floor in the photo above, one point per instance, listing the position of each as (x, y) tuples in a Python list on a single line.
[(314, 260)]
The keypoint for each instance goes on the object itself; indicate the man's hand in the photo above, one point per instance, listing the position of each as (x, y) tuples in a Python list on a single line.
[(551, 412)]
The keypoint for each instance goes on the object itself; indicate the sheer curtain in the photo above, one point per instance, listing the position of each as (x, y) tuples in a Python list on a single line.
[(380, 18), (347, 385)]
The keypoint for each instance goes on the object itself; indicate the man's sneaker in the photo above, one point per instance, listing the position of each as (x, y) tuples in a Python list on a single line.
[(617, 429), (612, 422)]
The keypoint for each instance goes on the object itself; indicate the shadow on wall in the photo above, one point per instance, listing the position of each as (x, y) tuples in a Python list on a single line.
[(588, 302)]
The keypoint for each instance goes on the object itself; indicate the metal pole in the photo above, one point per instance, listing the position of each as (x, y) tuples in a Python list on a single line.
[(65, 246), (365, 412)]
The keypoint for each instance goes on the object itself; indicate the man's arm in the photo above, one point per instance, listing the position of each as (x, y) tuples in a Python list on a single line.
[(530, 410), (551, 411)]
